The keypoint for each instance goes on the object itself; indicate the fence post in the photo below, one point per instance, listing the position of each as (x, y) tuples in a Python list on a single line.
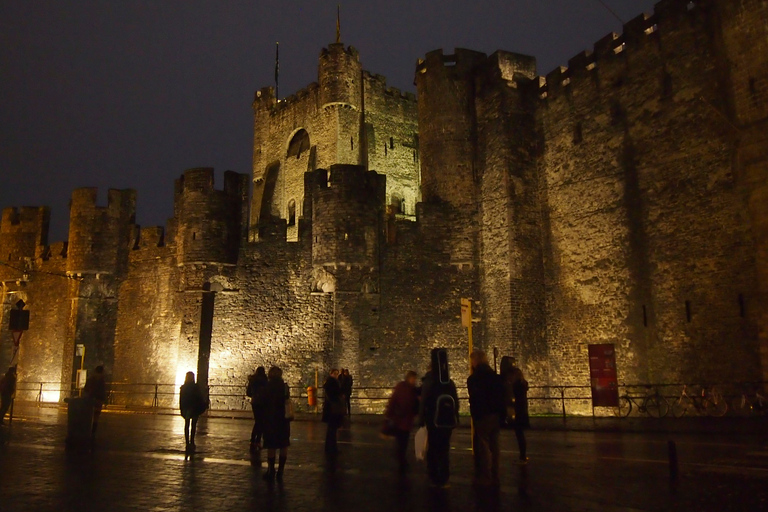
[(562, 401), (154, 399), (40, 396)]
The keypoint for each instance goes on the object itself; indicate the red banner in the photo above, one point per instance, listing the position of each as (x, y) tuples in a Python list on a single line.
[(602, 375)]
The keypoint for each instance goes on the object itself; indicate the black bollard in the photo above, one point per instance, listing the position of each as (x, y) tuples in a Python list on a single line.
[(673, 466)]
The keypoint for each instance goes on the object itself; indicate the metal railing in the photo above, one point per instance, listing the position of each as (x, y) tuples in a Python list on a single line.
[(560, 400)]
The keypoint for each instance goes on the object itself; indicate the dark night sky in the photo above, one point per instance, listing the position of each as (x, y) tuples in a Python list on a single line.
[(128, 94)]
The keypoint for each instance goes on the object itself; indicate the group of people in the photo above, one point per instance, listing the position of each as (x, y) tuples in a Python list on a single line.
[(273, 412), (495, 400)]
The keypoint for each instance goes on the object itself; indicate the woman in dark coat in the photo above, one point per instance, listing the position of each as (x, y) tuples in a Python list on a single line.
[(519, 388), (333, 411), (277, 428), (192, 405), (256, 386)]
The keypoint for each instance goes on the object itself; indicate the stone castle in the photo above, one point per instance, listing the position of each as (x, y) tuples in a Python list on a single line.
[(623, 199)]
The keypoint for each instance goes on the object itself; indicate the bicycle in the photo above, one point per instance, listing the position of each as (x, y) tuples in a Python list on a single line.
[(653, 404), (750, 402), (709, 402)]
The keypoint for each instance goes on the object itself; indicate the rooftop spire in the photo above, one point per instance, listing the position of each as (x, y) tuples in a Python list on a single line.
[(338, 23)]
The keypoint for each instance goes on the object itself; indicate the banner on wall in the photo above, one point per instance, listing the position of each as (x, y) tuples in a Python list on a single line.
[(602, 375)]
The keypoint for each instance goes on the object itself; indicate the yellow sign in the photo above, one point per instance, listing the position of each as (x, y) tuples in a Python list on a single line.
[(466, 312)]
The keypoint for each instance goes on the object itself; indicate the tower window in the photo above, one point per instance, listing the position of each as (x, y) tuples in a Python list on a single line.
[(577, 133), (385, 149), (351, 143), (291, 212), (742, 306), (645, 316), (391, 143), (194, 235), (688, 311)]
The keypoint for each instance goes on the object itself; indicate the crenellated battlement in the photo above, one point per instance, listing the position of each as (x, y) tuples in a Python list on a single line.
[(608, 57), (150, 237), (54, 252), (337, 48), (377, 85)]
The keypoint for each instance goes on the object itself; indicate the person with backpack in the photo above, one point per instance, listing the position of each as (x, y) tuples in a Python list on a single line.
[(255, 390), (277, 423), (487, 408), (192, 404), (440, 414)]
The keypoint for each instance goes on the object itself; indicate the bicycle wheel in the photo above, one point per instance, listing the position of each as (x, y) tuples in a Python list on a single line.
[(740, 405), (656, 406), (681, 406), (715, 404), (624, 408)]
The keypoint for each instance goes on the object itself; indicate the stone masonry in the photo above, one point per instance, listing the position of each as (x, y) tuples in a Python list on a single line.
[(621, 200)]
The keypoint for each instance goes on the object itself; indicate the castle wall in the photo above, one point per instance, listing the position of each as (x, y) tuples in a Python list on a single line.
[(148, 322), (743, 53), (648, 246)]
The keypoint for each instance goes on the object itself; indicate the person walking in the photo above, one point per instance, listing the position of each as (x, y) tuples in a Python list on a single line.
[(346, 381), (192, 404), (486, 406), (277, 427), (7, 390), (521, 420), (402, 408), (255, 390), (96, 389), (439, 412), (333, 411)]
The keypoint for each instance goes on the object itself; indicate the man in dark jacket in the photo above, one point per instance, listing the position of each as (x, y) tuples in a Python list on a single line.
[(346, 381), (96, 388), (7, 389), (486, 405)]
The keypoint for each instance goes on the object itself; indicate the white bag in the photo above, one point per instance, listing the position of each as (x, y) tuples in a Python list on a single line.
[(420, 443)]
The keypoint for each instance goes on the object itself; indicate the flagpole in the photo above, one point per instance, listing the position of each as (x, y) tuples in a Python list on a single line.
[(277, 71), (338, 23)]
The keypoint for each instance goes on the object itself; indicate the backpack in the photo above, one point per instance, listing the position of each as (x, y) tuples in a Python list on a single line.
[(445, 411)]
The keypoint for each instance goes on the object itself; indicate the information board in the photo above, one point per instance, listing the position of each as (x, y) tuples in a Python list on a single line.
[(602, 374)]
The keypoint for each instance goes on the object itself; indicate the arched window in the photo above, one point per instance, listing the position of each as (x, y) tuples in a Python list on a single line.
[(291, 212), (397, 202), (299, 144)]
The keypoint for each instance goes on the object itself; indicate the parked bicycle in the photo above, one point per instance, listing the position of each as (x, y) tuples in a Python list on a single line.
[(653, 404), (750, 401), (709, 402)]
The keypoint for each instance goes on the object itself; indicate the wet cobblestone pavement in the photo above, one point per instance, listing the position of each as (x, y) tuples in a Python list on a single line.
[(138, 463)]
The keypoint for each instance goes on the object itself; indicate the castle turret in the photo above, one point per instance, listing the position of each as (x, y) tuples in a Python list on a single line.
[(340, 78), (447, 128), (99, 236), (23, 231), (209, 222), (346, 222)]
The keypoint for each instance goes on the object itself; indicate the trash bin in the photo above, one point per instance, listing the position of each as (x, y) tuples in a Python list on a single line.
[(79, 420)]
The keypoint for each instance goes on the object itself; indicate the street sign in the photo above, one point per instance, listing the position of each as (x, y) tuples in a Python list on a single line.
[(82, 376), (19, 318), (602, 375), (466, 312), (17, 338), (79, 350)]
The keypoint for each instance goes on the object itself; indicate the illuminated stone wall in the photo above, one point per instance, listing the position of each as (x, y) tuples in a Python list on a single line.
[(618, 200)]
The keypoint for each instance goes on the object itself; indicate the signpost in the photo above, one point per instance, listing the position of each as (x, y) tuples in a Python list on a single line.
[(81, 373), (602, 376), (18, 323)]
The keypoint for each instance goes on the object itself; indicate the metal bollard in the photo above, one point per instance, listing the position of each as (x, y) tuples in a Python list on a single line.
[(673, 464)]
